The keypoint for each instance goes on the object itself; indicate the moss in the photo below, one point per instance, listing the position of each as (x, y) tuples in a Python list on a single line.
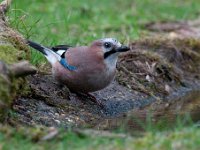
[(19, 43), (5, 98), (8, 53), (13, 46), (4, 88), (12, 50), (9, 88), (21, 87)]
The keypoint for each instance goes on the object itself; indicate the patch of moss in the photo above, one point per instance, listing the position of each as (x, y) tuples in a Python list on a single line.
[(13, 46), (4, 88), (19, 43), (21, 87), (12, 50), (9, 91), (5, 98), (9, 54)]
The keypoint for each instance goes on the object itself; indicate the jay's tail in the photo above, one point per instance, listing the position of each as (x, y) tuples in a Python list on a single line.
[(37, 47), (51, 56)]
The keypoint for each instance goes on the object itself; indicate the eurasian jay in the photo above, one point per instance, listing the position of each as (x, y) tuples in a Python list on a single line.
[(86, 68)]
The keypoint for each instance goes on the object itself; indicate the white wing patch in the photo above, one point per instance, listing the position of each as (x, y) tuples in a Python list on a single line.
[(51, 56), (60, 52)]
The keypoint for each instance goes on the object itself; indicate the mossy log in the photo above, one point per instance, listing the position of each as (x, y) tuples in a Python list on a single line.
[(12, 50)]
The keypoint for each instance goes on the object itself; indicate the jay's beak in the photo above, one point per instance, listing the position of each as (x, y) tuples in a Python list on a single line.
[(119, 49), (122, 49)]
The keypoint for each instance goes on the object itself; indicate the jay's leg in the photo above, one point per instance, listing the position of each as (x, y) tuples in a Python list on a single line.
[(92, 98)]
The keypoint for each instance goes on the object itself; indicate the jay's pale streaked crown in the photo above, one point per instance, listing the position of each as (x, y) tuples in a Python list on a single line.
[(85, 68)]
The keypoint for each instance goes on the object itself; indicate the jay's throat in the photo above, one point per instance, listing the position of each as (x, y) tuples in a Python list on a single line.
[(109, 53)]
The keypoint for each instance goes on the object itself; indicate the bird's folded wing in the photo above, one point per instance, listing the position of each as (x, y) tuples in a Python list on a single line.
[(61, 49)]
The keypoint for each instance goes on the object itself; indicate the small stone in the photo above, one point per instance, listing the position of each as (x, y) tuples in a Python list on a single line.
[(167, 88), (62, 115), (173, 35), (57, 114), (57, 121), (51, 114), (148, 78), (166, 105), (69, 120), (52, 133)]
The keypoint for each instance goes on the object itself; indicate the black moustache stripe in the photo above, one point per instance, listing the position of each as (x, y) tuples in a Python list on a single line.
[(107, 54)]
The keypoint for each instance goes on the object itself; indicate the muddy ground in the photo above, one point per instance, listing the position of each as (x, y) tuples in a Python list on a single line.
[(161, 75)]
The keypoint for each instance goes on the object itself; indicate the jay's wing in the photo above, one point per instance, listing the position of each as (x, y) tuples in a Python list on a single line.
[(53, 54), (61, 49)]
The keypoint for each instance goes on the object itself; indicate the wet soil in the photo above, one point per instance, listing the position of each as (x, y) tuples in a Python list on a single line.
[(159, 75), (48, 106)]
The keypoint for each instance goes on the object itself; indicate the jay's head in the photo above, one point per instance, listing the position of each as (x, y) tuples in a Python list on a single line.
[(110, 49)]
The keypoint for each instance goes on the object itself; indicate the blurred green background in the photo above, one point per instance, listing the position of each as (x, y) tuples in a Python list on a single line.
[(79, 22), (76, 22)]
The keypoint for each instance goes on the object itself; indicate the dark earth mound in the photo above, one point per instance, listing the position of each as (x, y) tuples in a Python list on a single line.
[(159, 74)]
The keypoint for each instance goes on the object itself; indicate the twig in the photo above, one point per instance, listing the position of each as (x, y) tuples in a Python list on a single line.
[(21, 69), (96, 133), (51, 135)]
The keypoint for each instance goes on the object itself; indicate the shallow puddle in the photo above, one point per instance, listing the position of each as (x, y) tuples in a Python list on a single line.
[(160, 115)]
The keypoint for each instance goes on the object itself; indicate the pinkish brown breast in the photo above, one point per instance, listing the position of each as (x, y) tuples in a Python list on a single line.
[(91, 74)]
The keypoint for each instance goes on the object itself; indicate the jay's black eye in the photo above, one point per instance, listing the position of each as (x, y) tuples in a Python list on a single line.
[(107, 45)]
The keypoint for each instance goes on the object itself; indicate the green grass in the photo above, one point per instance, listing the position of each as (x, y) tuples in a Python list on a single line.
[(78, 22), (184, 139)]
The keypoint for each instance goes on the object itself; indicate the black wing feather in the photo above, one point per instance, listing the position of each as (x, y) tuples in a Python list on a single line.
[(61, 47)]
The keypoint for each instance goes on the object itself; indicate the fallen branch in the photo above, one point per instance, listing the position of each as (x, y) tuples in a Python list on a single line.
[(22, 69), (96, 133)]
